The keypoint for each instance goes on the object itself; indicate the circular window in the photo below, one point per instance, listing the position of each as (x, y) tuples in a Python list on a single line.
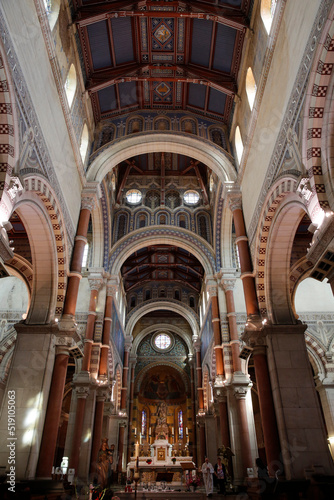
[(133, 196), (191, 197), (163, 342)]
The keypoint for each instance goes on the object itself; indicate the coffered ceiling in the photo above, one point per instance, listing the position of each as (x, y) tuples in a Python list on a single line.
[(161, 54)]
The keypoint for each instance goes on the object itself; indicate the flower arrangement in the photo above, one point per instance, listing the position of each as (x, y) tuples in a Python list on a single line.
[(149, 461), (173, 460), (193, 481)]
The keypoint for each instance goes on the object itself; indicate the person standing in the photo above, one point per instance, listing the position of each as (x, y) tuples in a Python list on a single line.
[(207, 471), (220, 473)]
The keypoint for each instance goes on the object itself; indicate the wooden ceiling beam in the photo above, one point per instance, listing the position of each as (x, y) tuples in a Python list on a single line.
[(122, 185), (223, 84), (91, 14)]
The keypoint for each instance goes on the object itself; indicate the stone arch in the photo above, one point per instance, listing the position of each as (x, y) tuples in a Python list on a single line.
[(141, 238), (316, 353), (168, 304), (317, 127), (198, 148), (161, 362), (298, 273), (20, 267), (9, 148), (39, 210), (283, 188), (162, 326)]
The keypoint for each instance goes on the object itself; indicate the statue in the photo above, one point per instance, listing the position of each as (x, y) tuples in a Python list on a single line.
[(161, 430), (104, 462)]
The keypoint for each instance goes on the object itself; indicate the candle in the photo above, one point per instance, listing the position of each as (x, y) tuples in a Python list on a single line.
[(137, 449), (173, 430), (187, 431)]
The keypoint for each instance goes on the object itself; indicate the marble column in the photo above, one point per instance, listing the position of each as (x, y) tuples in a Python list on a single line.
[(124, 393), (101, 396), (202, 439), (88, 202), (82, 391), (53, 413), (132, 390), (103, 366), (217, 334), (193, 408), (248, 280), (95, 284)]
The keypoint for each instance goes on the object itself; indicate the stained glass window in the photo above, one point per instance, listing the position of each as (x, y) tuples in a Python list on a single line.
[(162, 341), (180, 424), (143, 422), (133, 196), (191, 197)]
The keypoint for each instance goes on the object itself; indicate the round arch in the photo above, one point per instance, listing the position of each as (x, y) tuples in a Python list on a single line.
[(318, 118), (156, 236), (169, 142), (44, 255), (277, 266), (161, 326), (170, 305)]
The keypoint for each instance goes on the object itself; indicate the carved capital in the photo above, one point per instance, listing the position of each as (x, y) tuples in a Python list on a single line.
[(233, 196), (219, 394), (95, 283), (103, 394), (15, 188), (82, 391), (212, 291), (240, 392), (228, 284)]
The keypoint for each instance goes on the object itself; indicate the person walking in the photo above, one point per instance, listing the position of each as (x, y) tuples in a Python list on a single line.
[(220, 473), (207, 471)]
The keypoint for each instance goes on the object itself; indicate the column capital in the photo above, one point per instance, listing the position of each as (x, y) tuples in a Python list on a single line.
[(90, 195), (109, 409), (240, 384), (95, 282), (103, 394), (128, 343), (82, 391), (197, 345), (220, 394), (233, 195)]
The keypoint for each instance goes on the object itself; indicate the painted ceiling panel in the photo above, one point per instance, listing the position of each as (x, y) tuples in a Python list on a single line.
[(127, 93), (107, 99), (123, 42), (196, 95), (224, 47), (99, 44), (217, 101), (201, 42)]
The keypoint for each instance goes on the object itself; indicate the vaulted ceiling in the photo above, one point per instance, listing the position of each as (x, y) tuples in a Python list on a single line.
[(177, 55)]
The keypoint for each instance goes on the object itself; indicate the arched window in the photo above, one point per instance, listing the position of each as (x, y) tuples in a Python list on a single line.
[(250, 87), (191, 301), (141, 221), (182, 221), (71, 84), (121, 226), (84, 143), (267, 13), (162, 294), (85, 255), (147, 294), (177, 295), (203, 227), (133, 301), (180, 424), (238, 144), (143, 422)]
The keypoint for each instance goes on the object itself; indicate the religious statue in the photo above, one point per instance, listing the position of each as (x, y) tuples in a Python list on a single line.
[(104, 462), (161, 429)]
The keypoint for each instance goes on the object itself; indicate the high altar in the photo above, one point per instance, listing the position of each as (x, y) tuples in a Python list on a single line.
[(149, 458)]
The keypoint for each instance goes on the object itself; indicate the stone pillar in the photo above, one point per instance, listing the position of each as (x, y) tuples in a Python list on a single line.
[(95, 283), (325, 389), (217, 334), (248, 280), (200, 396), (202, 440), (82, 391), (132, 390), (101, 396), (193, 407), (124, 393), (240, 393), (87, 204), (53, 413), (228, 286), (121, 435), (103, 367), (300, 423)]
